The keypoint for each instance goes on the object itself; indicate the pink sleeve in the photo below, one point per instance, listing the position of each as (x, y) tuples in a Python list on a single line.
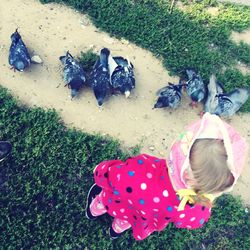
[(192, 217)]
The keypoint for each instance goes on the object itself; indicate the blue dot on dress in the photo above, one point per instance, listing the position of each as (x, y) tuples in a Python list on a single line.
[(141, 201), (169, 208), (140, 161), (131, 173)]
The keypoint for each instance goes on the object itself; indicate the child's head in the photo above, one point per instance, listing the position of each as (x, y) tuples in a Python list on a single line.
[(209, 173)]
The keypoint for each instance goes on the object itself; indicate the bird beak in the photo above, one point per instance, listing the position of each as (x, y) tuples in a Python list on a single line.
[(127, 94)]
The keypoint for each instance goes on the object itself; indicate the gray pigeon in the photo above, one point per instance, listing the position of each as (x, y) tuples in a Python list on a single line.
[(74, 75), (99, 76), (121, 75), (195, 87), (224, 104), (169, 96), (19, 57)]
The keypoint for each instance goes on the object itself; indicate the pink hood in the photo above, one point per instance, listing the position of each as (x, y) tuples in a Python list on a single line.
[(210, 126)]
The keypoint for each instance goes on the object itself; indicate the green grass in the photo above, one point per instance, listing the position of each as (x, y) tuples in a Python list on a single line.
[(44, 182), (182, 38), (88, 59)]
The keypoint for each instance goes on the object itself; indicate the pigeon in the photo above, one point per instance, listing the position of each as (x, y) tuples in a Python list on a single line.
[(230, 103), (99, 76), (121, 75), (195, 87), (169, 96), (224, 104), (19, 57), (74, 75)]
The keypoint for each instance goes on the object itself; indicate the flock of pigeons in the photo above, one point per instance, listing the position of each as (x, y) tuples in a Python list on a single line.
[(111, 74), (213, 95)]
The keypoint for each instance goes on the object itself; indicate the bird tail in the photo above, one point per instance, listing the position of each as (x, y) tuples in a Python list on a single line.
[(68, 54), (104, 54)]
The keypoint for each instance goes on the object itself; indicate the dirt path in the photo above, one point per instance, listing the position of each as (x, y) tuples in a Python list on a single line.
[(50, 30), (243, 2)]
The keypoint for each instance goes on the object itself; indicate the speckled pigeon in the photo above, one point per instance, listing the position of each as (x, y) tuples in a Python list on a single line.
[(19, 57), (121, 75), (169, 96), (99, 76)]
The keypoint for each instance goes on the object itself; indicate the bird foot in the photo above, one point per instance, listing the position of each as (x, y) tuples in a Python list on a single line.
[(201, 114), (193, 104), (13, 68)]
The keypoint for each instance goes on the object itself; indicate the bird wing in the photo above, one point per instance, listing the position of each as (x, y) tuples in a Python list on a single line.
[(224, 107), (73, 70), (19, 52), (163, 91), (238, 97), (196, 88), (211, 101), (112, 65)]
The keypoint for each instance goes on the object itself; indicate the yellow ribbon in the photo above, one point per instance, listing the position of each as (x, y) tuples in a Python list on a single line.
[(186, 196)]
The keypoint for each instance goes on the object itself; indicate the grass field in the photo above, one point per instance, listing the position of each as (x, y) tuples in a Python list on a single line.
[(44, 182)]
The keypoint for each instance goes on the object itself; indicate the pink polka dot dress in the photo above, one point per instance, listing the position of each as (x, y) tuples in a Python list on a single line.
[(140, 192)]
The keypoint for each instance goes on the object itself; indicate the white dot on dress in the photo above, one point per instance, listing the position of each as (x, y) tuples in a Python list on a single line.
[(156, 199), (149, 175), (122, 210), (192, 219), (165, 193), (143, 186), (182, 215)]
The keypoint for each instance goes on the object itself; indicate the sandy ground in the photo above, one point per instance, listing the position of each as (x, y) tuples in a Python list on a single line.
[(50, 30)]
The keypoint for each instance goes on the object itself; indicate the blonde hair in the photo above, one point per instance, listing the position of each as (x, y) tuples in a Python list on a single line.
[(208, 160)]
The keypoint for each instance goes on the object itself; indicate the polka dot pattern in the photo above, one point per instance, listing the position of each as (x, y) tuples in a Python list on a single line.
[(139, 192)]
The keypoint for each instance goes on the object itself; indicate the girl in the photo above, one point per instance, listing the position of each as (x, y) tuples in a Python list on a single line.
[(146, 193)]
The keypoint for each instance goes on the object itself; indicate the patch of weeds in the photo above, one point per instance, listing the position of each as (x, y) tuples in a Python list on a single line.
[(88, 59)]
